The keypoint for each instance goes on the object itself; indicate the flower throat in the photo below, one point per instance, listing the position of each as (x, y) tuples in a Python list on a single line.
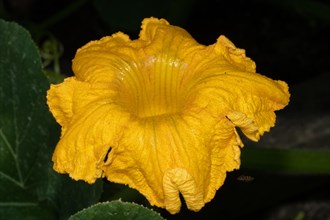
[(156, 90)]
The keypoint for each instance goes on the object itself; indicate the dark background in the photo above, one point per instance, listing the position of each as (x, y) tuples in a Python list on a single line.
[(288, 40)]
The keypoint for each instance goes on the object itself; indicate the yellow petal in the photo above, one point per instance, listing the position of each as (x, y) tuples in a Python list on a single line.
[(159, 113), (232, 86), (88, 117), (109, 66), (59, 100), (179, 180), (168, 155), (233, 55)]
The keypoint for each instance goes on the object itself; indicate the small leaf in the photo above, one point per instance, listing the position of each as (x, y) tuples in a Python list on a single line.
[(116, 210)]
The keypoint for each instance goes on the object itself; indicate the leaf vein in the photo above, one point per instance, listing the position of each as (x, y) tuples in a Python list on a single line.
[(11, 179), (15, 98), (10, 148)]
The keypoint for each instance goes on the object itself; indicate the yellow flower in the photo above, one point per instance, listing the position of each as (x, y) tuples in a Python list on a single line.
[(160, 113)]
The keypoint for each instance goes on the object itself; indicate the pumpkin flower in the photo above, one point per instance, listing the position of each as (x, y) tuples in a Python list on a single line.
[(160, 113)]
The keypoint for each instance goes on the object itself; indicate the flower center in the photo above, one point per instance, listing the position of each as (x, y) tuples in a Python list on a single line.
[(153, 89)]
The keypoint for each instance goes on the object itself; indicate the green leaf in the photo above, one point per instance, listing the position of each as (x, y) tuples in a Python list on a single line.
[(288, 160), (30, 189), (116, 210), (24, 124)]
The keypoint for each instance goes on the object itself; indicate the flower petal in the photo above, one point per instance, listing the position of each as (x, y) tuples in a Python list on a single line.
[(179, 180), (246, 96), (59, 100), (250, 100), (153, 148), (67, 99), (157, 156), (104, 60), (235, 56), (88, 116)]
